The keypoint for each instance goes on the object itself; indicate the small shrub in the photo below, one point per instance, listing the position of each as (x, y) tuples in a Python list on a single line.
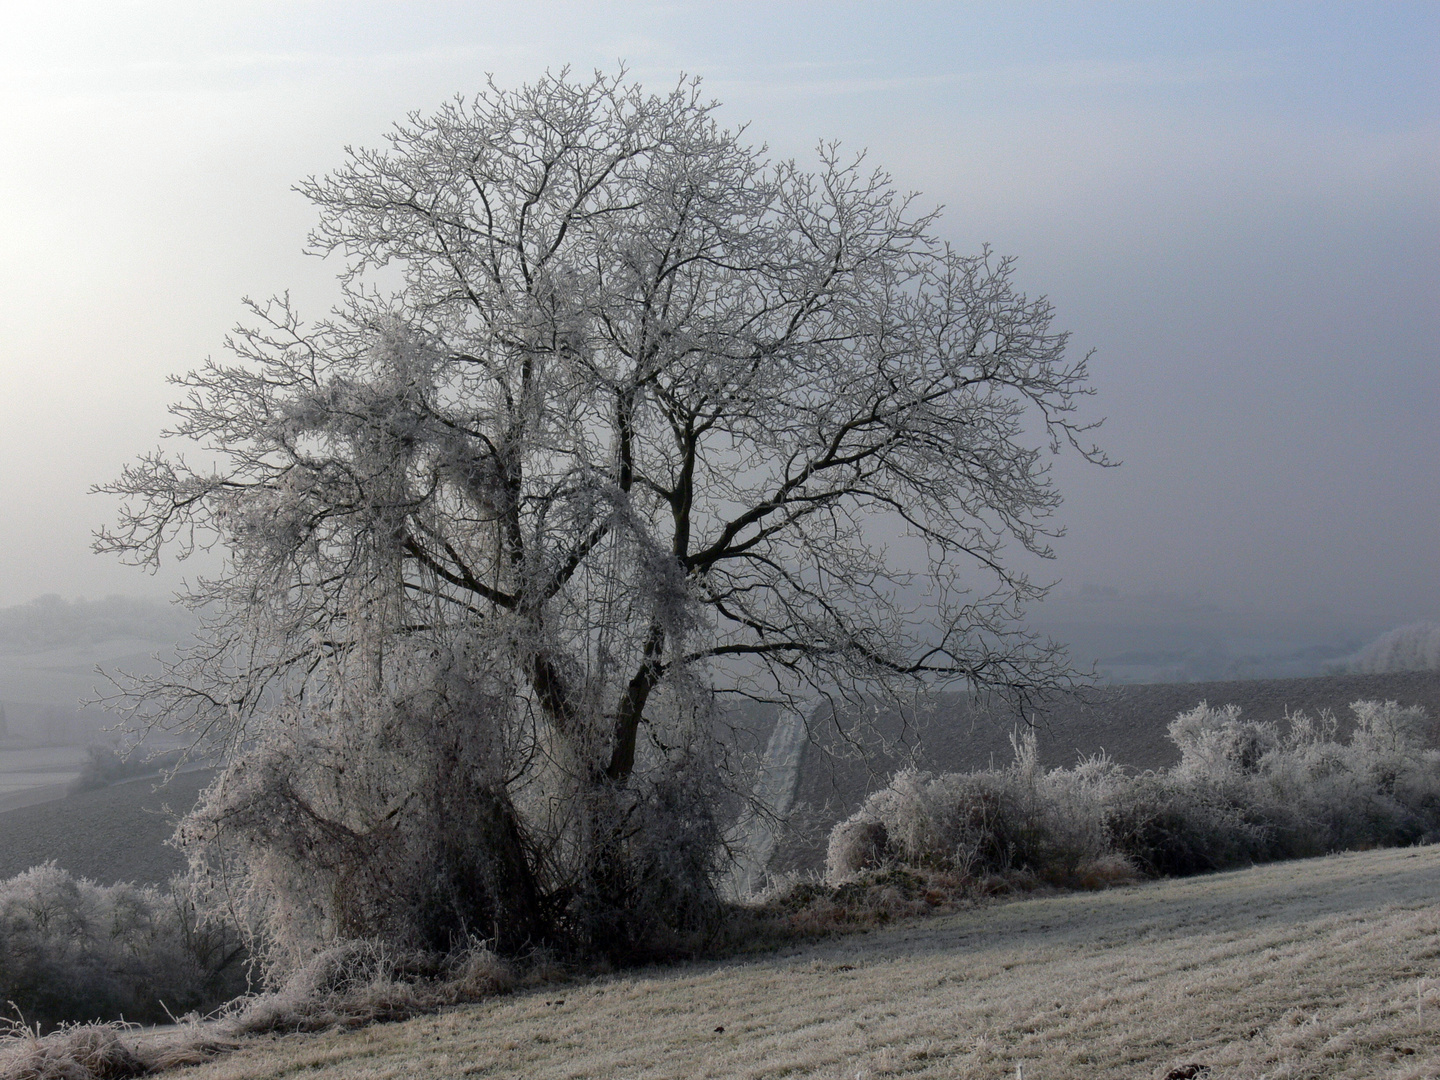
[(1167, 827), (103, 767), (806, 908), (360, 982), (97, 1051), (72, 950), (74, 1052), (856, 845), (1019, 819)]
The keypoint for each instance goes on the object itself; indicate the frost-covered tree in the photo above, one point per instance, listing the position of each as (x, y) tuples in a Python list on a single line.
[(615, 417)]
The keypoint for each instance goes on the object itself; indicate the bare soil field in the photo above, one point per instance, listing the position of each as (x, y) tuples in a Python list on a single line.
[(116, 833), (1320, 968)]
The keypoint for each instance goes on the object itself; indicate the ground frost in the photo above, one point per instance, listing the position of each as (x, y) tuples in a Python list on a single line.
[(1328, 967)]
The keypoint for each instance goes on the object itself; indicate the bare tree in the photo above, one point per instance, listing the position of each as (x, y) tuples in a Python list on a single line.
[(616, 417)]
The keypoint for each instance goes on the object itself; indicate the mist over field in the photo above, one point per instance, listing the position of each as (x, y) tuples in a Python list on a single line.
[(482, 515), (53, 653)]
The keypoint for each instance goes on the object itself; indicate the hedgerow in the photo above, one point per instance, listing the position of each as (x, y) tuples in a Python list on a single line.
[(1244, 791)]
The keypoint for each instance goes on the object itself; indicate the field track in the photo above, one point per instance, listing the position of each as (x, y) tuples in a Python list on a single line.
[(1320, 968)]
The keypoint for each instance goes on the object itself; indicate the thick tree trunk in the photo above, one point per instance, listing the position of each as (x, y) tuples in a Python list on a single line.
[(485, 882), (632, 707)]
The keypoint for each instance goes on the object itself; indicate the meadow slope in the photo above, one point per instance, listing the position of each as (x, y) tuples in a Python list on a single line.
[(1327, 967)]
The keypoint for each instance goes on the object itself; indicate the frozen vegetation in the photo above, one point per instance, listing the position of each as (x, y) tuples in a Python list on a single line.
[(72, 950), (1324, 967), (1243, 792), (1407, 648)]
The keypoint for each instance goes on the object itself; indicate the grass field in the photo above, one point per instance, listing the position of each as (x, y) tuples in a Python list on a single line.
[(1320, 968)]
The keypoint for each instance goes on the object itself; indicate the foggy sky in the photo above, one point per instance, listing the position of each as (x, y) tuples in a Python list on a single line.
[(1238, 210)]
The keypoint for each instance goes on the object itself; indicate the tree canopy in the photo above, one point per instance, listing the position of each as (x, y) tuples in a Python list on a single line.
[(616, 417)]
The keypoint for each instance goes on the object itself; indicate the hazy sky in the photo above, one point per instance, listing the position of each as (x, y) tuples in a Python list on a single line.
[(1236, 206)]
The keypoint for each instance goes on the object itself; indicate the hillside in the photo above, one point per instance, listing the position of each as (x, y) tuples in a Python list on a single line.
[(1326, 967)]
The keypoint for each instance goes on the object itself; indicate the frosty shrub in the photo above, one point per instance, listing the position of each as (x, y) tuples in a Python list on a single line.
[(1242, 792), (1170, 825), (1407, 648), (71, 950), (857, 844), (359, 982), (389, 821), (375, 817), (74, 1052), (1050, 823), (1216, 744), (1380, 788), (101, 1051)]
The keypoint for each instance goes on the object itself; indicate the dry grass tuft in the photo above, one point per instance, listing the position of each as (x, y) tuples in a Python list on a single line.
[(102, 1051), (74, 1052), (359, 982)]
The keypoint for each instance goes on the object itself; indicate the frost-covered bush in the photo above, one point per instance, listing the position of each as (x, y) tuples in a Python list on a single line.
[(387, 816), (1243, 791), (358, 982), (1380, 788), (103, 766), (1169, 825), (1216, 744), (1406, 648), (857, 844), (1022, 817), (72, 950), (1303, 792), (379, 817)]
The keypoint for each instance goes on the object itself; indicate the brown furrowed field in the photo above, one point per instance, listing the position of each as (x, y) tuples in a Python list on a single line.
[(1320, 968)]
